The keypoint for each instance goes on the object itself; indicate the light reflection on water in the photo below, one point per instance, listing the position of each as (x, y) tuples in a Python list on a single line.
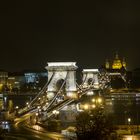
[(124, 107), (131, 137)]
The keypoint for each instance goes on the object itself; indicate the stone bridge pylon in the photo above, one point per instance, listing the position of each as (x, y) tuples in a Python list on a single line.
[(62, 73), (90, 77)]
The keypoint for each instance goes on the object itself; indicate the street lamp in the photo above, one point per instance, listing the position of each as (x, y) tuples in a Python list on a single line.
[(93, 100), (38, 107), (16, 110), (16, 107), (129, 120), (98, 100), (86, 106), (55, 112), (93, 106)]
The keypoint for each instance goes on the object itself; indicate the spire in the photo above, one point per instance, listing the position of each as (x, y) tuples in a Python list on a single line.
[(107, 65), (117, 64), (116, 55), (124, 62)]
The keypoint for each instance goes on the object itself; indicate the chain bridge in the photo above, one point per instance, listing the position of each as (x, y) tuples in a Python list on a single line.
[(61, 91)]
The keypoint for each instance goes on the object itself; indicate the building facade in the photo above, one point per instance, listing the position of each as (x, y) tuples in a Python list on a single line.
[(116, 63)]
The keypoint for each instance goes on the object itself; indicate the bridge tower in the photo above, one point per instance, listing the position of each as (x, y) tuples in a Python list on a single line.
[(62, 71), (90, 77)]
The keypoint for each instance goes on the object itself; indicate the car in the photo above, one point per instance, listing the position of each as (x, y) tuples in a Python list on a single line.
[(4, 122), (5, 126)]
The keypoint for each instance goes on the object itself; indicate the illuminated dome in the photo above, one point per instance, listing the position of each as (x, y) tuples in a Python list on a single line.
[(117, 64)]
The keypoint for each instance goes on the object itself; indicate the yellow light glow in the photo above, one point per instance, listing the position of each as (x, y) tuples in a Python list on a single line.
[(1, 85), (117, 64), (17, 107), (86, 106), (93, 106), (129, 120), (55, 112), (128, 137), (93, 100), (99, 100)]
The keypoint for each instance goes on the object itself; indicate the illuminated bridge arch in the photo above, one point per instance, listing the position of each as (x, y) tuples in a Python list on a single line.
[(90, 78), (63, 71)]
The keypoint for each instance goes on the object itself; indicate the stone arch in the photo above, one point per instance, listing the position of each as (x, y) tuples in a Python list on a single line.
[(90, 81), (59, 83), (65, 71), (90, 76)]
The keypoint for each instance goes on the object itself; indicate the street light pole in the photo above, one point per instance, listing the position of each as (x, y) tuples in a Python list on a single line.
[(129, 122)]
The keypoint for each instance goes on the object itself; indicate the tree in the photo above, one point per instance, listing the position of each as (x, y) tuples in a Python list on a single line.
[(93, 125)]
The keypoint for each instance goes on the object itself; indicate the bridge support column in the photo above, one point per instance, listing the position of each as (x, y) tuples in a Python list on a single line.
[(90, 77), (63, 72)]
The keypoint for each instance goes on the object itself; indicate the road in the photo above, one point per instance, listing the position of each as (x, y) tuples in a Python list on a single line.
[(20, 131)]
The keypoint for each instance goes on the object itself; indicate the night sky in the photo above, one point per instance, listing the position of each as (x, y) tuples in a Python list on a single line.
[(35, 32)]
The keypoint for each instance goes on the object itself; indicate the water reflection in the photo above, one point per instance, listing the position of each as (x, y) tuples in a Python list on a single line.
[(124, 106)]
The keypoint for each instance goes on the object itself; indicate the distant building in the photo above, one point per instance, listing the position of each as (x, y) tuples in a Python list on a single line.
[(15, 80), (33, 77), (35, 80), (22, 81), (3, 79), (117, 72), (117, 63)]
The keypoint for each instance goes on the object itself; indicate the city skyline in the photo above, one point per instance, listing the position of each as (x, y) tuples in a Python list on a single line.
[(108, 63), (69, 70), (88, 33)]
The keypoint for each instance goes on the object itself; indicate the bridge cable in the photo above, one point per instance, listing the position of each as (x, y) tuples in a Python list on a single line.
[(54, 98), (43, 89), (84, 79)]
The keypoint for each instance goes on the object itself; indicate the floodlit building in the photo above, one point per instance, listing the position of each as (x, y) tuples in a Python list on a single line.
[(33, 77), (3, 79), (15, 80), (117, 63)]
